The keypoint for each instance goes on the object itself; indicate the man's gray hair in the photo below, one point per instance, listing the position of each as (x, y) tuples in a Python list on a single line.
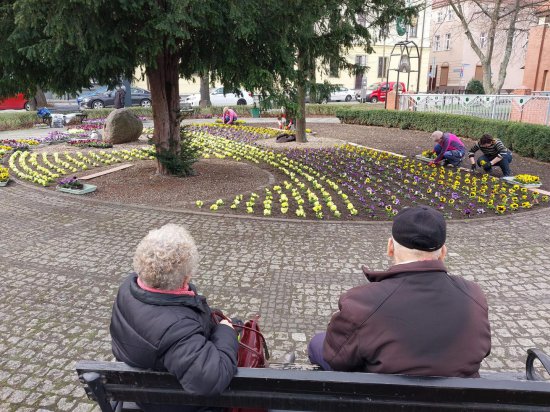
[(165, 256), (415, 253), (438, 134)]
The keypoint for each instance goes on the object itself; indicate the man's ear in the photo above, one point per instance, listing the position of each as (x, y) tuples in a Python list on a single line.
[(443, 253), (391, 248)]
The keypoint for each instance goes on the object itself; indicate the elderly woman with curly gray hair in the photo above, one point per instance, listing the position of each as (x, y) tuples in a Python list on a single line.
[(160, 321)]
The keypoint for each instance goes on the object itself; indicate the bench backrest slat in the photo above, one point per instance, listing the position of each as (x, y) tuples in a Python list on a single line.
[(316, 390)]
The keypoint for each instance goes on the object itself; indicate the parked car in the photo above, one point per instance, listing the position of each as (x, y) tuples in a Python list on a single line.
[(377, 92), (16, 102), (92, 91), (140, 97), (341, 94), (218, 98)]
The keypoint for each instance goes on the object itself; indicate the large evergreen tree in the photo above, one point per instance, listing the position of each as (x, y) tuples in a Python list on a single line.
[(61, 45), (324, 30)]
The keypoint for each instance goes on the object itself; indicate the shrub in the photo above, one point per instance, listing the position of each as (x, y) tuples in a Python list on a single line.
[(474, 87), (137, 110), (14, 121), (181, 164), (526, 139), (530, 140)]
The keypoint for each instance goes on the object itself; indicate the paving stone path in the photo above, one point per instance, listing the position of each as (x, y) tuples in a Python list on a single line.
[(62, 259)]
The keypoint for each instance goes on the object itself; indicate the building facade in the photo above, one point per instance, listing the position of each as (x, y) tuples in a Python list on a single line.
[(378, 63), (382, 63), (537, 64), (453, 62)]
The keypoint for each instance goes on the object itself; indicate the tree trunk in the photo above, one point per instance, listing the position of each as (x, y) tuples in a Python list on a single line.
[(487, 77), (39, 99), (301, 113), (205, 90), (164, 81), (508, 50)]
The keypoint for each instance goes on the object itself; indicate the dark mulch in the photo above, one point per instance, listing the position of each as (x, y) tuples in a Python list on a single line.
[(215, 178), (412, 142)]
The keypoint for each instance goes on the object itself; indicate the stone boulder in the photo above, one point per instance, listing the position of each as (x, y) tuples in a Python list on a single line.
[(122, 126)]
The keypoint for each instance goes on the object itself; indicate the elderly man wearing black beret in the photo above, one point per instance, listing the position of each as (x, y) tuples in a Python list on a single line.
[(412, 319)]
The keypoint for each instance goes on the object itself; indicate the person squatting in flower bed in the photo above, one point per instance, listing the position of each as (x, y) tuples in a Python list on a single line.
[(449, 149), (160, 321), (494, 154), (229, 116), (414, 318)]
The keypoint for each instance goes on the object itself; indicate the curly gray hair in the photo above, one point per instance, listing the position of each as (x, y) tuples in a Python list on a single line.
[(165, 257)]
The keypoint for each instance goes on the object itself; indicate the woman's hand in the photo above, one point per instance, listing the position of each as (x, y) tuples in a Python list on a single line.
[(227, 323)]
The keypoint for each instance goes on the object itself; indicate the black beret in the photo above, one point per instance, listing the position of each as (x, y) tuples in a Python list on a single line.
[(420, 227)]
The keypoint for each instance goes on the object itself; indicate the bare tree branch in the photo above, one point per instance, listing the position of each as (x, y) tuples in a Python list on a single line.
[(508, 49)]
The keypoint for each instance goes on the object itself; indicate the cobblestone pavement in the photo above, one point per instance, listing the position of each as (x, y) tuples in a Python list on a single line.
[(62, 259)]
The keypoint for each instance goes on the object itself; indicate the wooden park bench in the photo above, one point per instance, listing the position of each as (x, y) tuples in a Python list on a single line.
[(116, 387)]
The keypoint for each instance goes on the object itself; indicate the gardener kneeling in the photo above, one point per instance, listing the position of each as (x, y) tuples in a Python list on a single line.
[(448, 148), (494, 154), (229, 116)]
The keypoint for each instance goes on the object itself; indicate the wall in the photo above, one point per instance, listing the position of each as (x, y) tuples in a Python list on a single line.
[(539, 47), (461, 54)]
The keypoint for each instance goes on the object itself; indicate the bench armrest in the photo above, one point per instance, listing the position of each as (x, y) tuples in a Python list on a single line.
[(530, 372)]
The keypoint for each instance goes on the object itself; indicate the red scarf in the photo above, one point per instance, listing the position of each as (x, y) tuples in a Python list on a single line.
[(184, 290)]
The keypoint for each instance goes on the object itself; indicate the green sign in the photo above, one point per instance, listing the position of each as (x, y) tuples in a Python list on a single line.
[(400, 26)]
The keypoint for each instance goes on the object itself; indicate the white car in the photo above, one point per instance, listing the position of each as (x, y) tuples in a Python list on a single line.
[(217, 98), (341, 94)]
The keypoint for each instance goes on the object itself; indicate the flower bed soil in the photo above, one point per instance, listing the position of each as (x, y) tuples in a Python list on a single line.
[(411, 143), (220, 177), (215, 178)]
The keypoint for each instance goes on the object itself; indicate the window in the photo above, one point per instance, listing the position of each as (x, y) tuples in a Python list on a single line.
[(450, 14), (448, 41), (413, 31), (382, 65), (333, 69), (437, 43), (483, 40), (440, 15), (361, 60)]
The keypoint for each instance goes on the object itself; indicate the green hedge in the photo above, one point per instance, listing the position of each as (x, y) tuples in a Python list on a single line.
[(311, 109), (20, 120), (137, 110), (526, 139)]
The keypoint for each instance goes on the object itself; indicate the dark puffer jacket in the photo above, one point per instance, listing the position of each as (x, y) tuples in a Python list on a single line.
[(173, 333), (413, 319)]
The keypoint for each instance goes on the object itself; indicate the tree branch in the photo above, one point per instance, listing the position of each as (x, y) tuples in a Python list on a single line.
[(508, 49)]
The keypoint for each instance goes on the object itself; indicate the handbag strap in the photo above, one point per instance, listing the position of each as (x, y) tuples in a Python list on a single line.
[(218, 315)]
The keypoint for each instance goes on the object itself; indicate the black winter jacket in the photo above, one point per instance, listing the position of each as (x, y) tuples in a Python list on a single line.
[(173, 333)]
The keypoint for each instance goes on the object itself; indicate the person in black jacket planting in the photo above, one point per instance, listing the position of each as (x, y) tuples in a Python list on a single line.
[(494, 154), (160, 321)]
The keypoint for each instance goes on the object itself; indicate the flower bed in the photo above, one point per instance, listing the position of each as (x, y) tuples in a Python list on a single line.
[(248, 134), (524, 180), (4, 176), (427, 156), (353, 182), (44, 168), (74, 186), (4, 149)]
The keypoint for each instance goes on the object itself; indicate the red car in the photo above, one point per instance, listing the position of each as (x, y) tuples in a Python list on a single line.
[(17, 102), (377, 92)]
